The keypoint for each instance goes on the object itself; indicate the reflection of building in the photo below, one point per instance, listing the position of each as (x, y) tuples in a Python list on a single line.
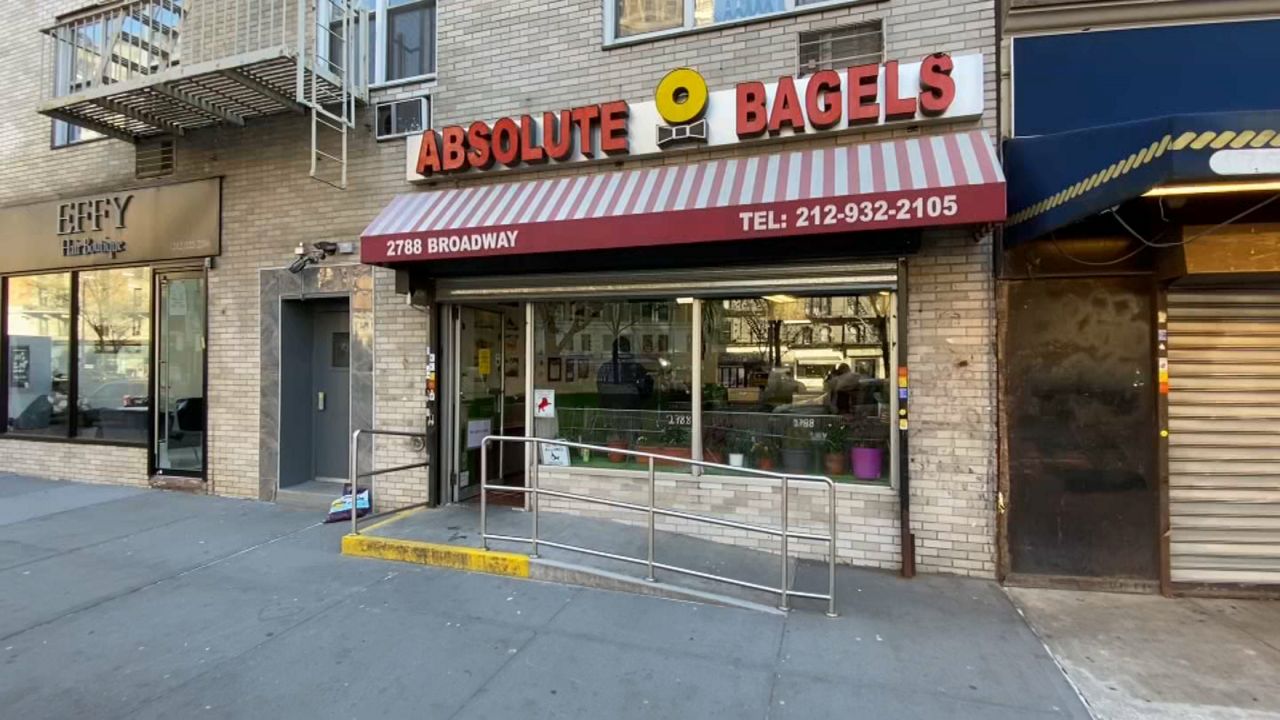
[(810, 336)]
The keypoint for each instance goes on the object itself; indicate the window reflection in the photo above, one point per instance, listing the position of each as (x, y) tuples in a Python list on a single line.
[(622, 374), (636, 17), (798, 384), (39, 353), (115, 340)]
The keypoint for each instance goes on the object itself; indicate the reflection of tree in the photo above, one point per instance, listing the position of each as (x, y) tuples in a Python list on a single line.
[(766, 323), (109, 307)]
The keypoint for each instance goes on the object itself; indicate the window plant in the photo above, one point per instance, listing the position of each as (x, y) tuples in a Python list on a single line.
[(739, 446), (836, 443), (870, 437), (797, 449), (764, 453)]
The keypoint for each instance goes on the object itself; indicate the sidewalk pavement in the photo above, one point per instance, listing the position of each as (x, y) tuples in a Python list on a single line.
[(1141, 656), (124, 603)]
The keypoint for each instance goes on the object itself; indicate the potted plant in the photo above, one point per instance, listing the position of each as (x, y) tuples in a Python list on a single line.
[(797, 448), (617, 441), (739, 447), (764, 454), (675, 442), (837, 446), (867, 455), (714, 442)]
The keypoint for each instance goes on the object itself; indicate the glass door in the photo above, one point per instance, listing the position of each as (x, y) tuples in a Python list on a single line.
[(179, 374), (479, 398)]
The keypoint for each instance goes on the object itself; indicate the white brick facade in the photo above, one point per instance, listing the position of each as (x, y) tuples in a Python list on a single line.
[(498, 58)]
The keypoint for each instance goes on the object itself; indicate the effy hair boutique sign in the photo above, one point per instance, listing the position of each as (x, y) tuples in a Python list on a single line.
[(685, 114)]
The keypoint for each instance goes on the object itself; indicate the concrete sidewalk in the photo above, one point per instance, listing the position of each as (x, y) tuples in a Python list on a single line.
[(118, 603), (1142, 656)]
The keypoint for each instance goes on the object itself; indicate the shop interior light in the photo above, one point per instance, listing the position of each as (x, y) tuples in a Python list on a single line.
[(684, 301), (1213, 188), (780, 299)]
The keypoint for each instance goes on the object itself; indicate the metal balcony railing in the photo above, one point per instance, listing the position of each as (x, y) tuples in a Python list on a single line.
[(140, 68)]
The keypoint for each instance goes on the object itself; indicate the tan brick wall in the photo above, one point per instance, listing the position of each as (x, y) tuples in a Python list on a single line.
[(83, 463), (499, 58)]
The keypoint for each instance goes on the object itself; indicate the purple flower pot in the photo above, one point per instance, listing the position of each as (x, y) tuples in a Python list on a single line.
[(867, 463)]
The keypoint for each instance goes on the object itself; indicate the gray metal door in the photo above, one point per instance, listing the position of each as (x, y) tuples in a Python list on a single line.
[(1224, 436), (331, 382)]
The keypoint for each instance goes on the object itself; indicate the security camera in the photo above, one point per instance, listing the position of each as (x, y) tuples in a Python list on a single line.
[(319, 251)]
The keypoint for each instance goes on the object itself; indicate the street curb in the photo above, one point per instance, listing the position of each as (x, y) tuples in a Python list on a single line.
[(454, 557)]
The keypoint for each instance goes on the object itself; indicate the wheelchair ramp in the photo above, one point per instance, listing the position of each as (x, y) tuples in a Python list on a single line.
[(450, 537)]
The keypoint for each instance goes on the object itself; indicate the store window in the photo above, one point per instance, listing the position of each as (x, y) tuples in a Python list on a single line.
[(779, 395), (636, 18), (787, 384), (38, 349), (97, 361), (114, 354), (633, 390)]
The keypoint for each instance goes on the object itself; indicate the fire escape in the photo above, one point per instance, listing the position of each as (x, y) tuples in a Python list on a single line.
[(141, 69)]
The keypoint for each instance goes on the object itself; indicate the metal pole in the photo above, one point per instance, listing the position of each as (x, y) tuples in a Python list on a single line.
[(537, 454), (354, 464), (831, 563), (652, 482), (786, 604), (484, 494)]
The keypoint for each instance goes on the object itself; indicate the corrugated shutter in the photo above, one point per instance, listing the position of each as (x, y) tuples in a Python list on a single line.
[(1224, 436)]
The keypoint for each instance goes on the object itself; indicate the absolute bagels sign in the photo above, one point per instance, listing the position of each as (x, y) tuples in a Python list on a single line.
[(684, 113)]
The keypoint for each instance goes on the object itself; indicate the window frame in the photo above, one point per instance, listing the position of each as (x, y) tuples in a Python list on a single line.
[(423, 100), (699, 335), (791, 7), (381, 27), (73, 371)]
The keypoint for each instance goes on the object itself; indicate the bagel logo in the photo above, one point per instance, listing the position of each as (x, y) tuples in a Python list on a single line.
[(681, 100)]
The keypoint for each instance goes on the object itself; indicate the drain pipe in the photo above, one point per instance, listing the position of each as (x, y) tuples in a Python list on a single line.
[(908, 539)]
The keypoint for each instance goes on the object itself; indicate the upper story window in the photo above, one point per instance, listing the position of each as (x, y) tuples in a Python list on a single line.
[(401, 40), (64, 134), (637, 18)]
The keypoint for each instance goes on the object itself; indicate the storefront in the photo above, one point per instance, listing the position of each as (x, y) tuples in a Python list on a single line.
[(1137, 284), (748, 310), (104, 323)]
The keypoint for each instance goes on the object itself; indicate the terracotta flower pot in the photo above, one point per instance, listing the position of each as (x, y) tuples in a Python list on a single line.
[(834, 463), (765, 463), (617, 457)]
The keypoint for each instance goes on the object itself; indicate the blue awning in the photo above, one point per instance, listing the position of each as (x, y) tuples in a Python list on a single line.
[(1055, 180)]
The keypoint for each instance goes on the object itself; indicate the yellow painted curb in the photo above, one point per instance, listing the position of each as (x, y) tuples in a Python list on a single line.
[(456, 557)]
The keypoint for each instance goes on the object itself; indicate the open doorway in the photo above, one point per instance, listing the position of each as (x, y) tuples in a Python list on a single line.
[(486, 388), (315, 394)]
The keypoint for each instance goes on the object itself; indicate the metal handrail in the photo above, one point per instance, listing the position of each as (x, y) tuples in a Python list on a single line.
[(354, 463), (784, 591)]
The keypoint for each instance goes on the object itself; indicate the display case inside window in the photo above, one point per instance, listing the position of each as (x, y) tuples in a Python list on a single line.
[(790, 386), (114, 354), (633, 390), (39, 354)]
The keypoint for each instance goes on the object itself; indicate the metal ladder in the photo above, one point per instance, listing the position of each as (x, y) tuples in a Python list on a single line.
[(329, 47)]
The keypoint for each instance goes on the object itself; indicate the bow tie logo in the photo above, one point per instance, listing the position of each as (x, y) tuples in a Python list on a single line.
[(668, 135), (681, 99)]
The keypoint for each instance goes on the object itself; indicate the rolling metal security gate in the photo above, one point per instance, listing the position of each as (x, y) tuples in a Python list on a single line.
[(1224, 436)]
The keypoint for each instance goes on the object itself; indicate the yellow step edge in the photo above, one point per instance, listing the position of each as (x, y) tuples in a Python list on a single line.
[(456, 557)]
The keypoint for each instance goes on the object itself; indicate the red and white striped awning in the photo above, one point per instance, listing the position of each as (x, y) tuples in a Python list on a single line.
[(933, 181)]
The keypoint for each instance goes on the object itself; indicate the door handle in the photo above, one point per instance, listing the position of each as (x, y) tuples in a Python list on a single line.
[(320, 401)]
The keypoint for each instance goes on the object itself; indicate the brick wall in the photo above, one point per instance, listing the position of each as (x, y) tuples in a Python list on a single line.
[(500, 58)]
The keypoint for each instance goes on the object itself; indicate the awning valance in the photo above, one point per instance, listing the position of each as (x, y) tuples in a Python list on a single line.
[(926, 181), (1058, 179)]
